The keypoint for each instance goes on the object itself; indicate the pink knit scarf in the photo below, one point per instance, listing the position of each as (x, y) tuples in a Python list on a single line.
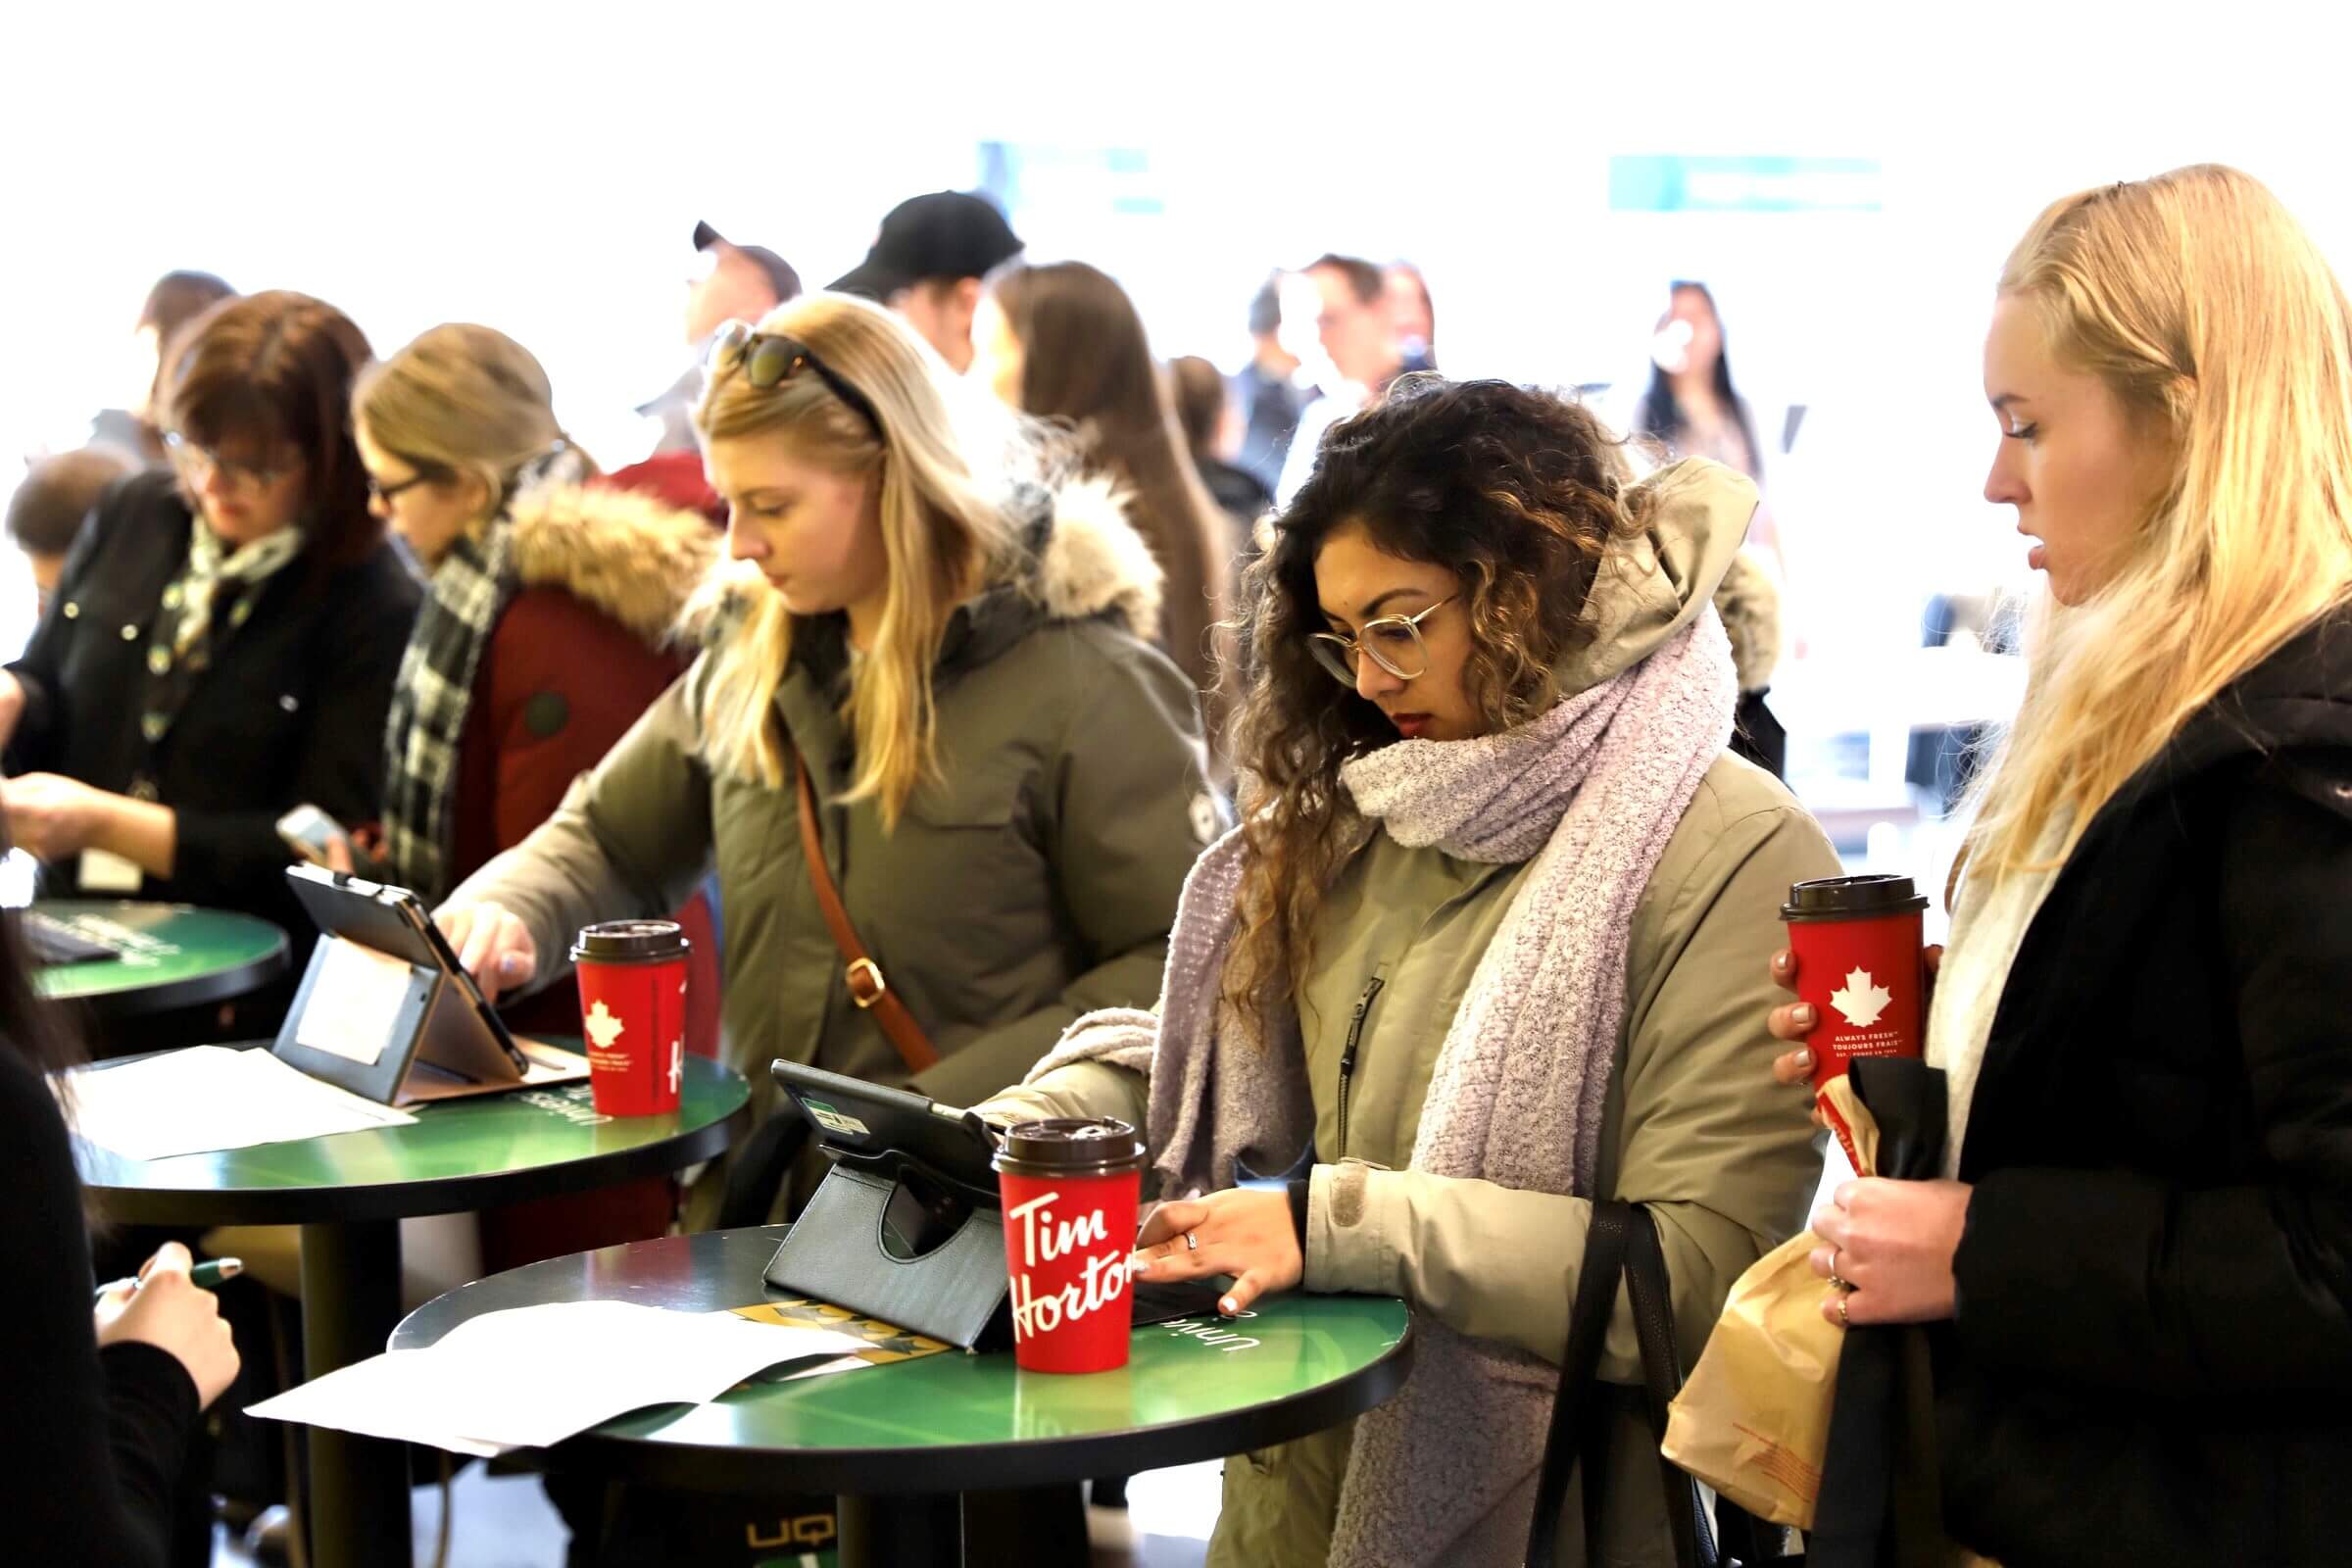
[(1591, 791)]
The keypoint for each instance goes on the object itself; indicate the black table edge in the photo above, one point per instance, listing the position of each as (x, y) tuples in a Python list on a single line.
[(979, 1467), (193, 990), (448, 1194)]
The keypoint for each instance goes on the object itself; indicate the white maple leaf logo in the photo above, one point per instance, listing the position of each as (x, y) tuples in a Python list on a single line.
[(603, 1026), (1861, 999)]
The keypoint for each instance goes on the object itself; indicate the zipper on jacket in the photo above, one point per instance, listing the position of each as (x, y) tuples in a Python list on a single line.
[(1356, 1037)]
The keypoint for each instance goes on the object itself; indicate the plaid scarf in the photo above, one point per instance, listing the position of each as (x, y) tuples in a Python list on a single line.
[(215, 576), (471, 589)]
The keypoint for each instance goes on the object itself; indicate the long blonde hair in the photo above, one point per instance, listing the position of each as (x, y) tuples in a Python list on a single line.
[(462, 400), (945, 535), (2215, 322)]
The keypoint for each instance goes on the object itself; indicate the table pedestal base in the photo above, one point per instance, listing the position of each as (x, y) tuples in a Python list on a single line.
[(359, 1502), (880, 1531), (1039, 1527)]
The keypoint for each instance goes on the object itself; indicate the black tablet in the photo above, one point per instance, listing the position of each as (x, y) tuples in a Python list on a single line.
[(869, 1126), (868, 1123)]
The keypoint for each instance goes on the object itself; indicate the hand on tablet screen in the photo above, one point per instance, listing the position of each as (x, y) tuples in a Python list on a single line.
[(492, 944)]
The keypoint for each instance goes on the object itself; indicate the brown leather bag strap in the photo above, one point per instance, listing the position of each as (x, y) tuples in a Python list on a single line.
[(868, 988)]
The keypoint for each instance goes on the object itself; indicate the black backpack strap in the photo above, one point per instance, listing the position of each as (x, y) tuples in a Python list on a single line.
[(1623, 1243), (1662, 1380), (1588, 1327)]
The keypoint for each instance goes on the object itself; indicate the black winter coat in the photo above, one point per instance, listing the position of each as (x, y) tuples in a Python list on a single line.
[(2152, 1357), (291, 709)]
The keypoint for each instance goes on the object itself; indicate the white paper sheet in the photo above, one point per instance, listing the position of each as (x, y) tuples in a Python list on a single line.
[(206, 1098), (535, 1375)]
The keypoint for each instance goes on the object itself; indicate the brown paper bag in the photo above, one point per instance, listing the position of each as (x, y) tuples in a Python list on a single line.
[(1753, 1418)]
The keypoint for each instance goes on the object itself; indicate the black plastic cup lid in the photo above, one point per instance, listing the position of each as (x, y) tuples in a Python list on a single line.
[(629, 942), (1072, 1145), (1851, 897)]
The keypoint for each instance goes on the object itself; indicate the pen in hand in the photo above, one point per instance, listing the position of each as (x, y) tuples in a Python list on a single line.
[(206, 1275)]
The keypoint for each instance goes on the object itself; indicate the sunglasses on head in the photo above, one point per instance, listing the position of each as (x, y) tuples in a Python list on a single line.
[(770, 359)]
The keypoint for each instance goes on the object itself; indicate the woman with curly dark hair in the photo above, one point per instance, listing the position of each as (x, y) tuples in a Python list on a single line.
[(1471, 962)]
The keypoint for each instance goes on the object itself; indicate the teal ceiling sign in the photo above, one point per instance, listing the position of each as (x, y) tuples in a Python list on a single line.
[(1668, 183)]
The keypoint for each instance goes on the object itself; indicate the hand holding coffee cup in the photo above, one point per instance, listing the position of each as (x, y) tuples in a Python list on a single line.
[(1794, 1020), (1855, 943)]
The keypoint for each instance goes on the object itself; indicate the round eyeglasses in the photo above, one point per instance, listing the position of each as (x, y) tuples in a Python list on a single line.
[(1394, 643), (197, 461)]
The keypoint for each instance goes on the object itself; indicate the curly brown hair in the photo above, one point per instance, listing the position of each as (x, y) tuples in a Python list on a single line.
[(1520, 493)]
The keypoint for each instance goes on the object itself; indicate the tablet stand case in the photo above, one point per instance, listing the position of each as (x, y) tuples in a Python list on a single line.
[(435, 1022), (955, 1292)]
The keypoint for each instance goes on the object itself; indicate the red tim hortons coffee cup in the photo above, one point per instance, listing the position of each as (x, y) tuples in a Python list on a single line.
[(1071, 1188), (1857, 942), (633, 1013)]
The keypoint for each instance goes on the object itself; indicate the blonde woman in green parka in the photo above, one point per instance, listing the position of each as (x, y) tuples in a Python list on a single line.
[(1010, 778), (1473, 960)]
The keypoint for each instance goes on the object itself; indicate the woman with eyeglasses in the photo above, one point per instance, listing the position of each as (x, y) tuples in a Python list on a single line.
[(1472, 960), (1006, 780), (222, 645), (551, 610), (549, 625)]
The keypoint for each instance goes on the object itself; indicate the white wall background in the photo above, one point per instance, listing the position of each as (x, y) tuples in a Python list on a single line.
[(539, 167)]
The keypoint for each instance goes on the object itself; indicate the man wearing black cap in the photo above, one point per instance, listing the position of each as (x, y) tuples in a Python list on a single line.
[(927, 263), (729, 282)]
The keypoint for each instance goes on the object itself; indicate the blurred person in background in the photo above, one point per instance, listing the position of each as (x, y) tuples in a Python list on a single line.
[(1267, 389), (729, 282), (1358, 335), (221, 645), (927, 263), (1414, 316), (1691, 406), (1063, 342), (177, 299), (1692, 409), (51, 503), (1206, 417)]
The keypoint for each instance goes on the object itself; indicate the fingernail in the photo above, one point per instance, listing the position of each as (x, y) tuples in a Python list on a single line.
[(1804, 1058), (1137, 1263), (1228, 1305), (1806, 1018)]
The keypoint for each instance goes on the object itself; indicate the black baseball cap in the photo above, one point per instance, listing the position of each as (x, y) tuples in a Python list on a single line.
[(780, 275), (948, 233)]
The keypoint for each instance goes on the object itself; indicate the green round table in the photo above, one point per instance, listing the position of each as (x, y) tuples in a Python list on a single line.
[(349, 1192), (922, 1432), (173, 955)]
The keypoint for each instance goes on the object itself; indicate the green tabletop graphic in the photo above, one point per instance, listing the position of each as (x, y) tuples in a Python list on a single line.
[(171, 956), (1195, 1389), (349, 1192), (460, 1155)]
